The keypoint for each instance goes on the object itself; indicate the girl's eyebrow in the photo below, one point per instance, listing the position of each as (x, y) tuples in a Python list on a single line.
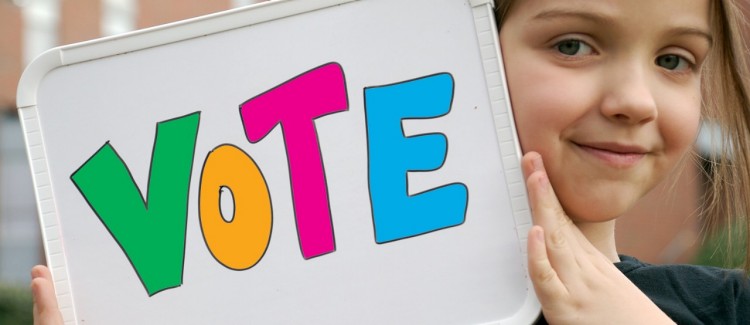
[(606, 20), (694, 31), (565, 13)]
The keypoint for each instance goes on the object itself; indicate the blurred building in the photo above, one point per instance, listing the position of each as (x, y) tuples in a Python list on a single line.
[(28, 28)]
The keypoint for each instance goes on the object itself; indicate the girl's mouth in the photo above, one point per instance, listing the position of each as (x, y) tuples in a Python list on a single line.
[(614, 154)]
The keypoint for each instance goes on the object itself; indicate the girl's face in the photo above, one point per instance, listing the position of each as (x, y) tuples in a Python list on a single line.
[(607, 91)]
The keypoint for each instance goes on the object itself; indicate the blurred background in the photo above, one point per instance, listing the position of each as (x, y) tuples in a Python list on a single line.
[(658, 231)]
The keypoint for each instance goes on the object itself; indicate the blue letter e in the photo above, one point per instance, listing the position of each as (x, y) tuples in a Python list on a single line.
[(395, 213)]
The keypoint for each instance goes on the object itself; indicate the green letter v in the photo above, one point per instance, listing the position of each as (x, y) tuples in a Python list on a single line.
[(151, 233)]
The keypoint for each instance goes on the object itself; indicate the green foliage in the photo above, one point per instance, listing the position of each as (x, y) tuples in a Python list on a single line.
[(15, 305), (726, 248)]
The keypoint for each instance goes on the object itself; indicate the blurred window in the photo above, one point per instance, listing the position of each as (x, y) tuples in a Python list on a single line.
[(118, 16), (41, 19), (19, 226)]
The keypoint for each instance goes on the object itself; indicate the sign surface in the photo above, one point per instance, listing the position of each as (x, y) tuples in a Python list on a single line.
[(299, 161)]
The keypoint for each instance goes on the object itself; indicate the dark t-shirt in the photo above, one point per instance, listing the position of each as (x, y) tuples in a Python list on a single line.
[(691, 294)]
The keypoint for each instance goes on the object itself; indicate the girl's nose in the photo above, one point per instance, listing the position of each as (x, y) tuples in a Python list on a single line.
[(628, 96)]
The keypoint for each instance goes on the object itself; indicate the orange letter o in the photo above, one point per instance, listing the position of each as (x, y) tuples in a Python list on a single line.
[(238, 244)]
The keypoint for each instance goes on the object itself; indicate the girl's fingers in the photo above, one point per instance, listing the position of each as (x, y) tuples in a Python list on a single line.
[(46, 311), (547, 284), (561, 242), (541, 195)]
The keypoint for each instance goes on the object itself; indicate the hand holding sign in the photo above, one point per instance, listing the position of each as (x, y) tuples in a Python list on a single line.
[(576, 283), (46, 311)]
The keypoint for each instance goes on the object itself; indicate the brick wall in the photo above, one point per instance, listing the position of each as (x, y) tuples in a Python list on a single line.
[(157, 12), (80, 20), (10, 53)]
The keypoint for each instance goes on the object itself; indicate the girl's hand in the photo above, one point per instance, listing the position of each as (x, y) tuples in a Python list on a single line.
[(46, 311), (575, 283)]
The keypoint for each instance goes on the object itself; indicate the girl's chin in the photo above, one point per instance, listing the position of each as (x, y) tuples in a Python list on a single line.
[(586, 213), (591, 219)]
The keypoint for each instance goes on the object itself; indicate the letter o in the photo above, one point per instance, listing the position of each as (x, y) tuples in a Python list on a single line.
[(240, 243)]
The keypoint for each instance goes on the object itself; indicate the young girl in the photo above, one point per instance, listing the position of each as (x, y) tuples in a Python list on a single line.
[(608, 96)]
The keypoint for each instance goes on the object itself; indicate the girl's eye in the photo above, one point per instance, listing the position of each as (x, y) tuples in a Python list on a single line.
[(571, 47), (672, 62)]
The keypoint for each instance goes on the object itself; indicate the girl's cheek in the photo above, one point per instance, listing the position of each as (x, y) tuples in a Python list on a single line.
[(679, 120)]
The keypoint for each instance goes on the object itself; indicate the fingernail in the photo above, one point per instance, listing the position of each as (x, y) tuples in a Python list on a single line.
[(537, 163)]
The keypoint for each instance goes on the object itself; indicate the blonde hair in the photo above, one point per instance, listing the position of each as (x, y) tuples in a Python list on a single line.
[(726, 102)]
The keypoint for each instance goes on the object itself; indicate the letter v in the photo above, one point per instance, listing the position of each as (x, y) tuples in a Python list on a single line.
[(150, 232)]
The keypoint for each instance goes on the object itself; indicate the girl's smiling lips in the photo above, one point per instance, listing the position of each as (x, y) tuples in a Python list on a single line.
[(614, 154)]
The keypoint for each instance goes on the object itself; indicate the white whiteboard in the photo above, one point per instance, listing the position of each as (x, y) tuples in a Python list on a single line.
[(76, 99)]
